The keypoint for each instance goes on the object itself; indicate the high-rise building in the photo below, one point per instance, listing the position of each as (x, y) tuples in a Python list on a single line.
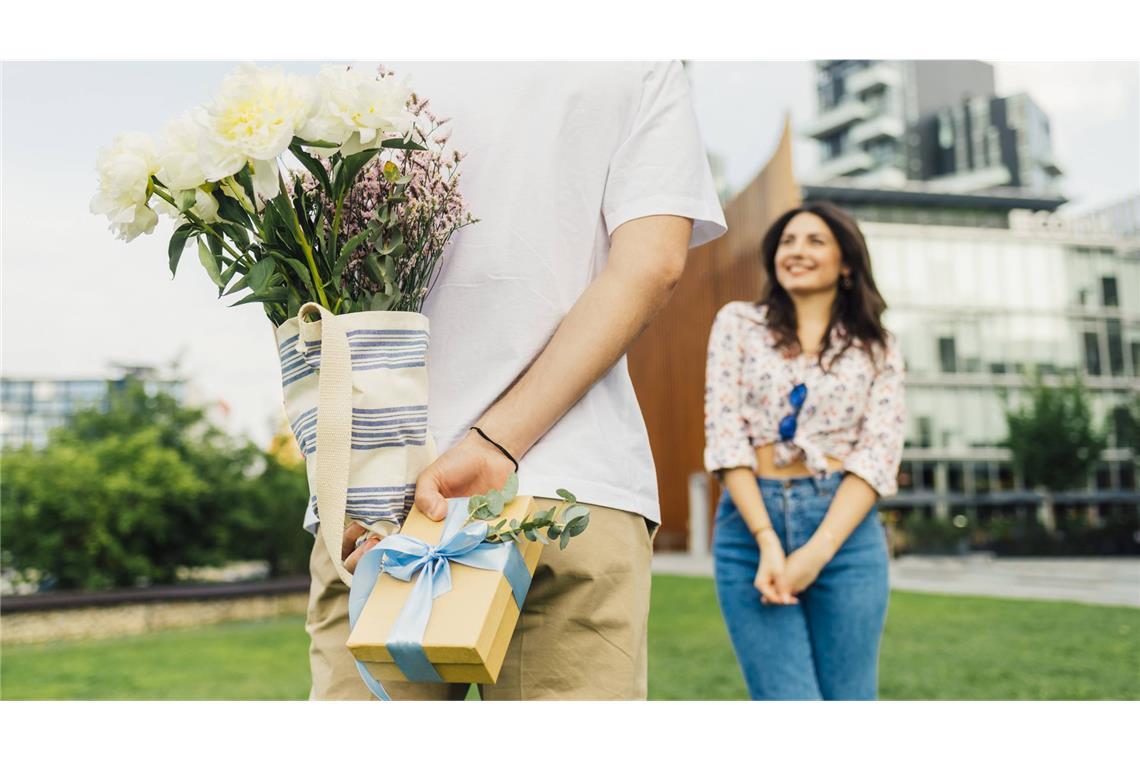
[(884, 123)]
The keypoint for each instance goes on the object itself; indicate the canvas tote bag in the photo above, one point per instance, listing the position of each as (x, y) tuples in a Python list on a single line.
[(356, 395)]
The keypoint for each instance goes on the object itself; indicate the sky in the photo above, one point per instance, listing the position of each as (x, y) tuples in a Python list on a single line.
[(75, 299)]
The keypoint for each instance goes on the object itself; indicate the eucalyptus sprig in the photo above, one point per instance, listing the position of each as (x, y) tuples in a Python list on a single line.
[(559, 523)]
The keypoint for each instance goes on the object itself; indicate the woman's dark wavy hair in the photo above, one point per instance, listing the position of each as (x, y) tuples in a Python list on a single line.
[(858, 308)]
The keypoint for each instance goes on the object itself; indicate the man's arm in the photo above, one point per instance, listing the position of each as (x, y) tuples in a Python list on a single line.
[(647, 258)]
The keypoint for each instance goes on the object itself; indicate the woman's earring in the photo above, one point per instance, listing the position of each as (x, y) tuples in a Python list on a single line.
[(847, 282)]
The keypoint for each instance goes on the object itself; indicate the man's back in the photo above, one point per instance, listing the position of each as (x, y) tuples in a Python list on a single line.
[(547, 147)]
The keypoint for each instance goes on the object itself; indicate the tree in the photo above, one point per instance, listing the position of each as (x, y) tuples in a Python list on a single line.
[(1052, 438), (129, 494)]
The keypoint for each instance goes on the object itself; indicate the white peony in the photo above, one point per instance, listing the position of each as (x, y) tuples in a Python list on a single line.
[(357, 110), (254, 118), (124, 172), (179, 161)]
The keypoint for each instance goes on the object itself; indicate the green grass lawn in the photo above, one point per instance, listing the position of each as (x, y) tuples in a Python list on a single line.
[(935, 647)]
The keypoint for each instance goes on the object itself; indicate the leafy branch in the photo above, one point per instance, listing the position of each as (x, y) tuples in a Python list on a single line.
[(559, 523)]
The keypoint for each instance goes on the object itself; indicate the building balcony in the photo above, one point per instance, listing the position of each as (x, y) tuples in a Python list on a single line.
[(849, 163), (880, 74), (878, 127), (837, 118)]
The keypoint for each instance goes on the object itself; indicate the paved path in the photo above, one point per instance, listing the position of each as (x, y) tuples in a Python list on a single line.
[(1090, 580)]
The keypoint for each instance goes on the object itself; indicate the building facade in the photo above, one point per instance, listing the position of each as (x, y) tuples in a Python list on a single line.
[(30, 408)]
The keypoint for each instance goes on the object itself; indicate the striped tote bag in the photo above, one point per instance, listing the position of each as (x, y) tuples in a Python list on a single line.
[(356, 394)]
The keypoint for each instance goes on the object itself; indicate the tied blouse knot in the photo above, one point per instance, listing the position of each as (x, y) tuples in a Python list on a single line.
[(855, 412)]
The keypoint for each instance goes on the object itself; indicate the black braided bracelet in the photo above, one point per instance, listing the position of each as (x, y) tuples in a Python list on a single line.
[(506, 453)]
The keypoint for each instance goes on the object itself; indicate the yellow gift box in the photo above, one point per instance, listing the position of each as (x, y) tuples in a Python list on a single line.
[(469, 627)]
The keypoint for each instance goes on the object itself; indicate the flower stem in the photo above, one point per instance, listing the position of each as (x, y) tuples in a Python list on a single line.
[(206, 227)]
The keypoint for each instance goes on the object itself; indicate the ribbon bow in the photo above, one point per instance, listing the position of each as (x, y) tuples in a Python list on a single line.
[(407, 558)]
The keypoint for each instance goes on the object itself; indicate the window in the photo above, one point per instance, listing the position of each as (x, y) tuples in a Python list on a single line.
[(1115, 348), (1092, 353), (925, 432), (947, 355), (1103, 477), (1108, 291), (1005, 477), (983, 481), (955, 475), (926, 472)]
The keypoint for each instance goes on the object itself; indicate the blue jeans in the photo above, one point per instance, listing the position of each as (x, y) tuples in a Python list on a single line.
[(827, 646)]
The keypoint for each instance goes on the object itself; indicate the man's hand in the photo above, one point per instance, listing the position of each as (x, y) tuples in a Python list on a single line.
[(472, 467), (349, 551)]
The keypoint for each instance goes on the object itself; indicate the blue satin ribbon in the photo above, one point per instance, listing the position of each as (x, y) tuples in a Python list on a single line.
[(405, 558)]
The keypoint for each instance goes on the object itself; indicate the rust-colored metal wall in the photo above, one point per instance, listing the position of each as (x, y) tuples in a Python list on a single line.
[(667, 363)]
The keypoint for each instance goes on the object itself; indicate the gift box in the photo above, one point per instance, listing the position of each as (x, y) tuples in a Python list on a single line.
[(444, 603)]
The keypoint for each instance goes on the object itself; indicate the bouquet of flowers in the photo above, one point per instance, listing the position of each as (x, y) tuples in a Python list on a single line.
[(358, 224)]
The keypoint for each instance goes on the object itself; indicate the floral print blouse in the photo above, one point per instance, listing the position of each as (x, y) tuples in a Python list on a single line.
[(854, 412)]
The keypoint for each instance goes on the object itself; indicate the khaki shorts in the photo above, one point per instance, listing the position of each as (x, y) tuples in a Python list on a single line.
[(581, 634)]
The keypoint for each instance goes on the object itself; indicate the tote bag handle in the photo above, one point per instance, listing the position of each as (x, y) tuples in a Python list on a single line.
[(334, 431)]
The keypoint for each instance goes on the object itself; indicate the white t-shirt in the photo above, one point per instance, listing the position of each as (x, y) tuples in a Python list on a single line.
[(558, 156)]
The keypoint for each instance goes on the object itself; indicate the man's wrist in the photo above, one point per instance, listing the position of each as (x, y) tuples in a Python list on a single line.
[(498, 446), (510, 436)]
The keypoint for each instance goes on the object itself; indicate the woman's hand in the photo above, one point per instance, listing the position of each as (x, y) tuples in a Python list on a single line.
[(802, 567), (771, 570)]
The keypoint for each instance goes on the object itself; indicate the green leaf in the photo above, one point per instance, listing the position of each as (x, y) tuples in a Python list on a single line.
[(273, 295), (530, 534), (553, 531), (345, 172), (345, 252), (511, 489), (206, 256), (245, 179), (185, 199), (401, 144), (299, 142), (372, 267), (564, 541), (577, 525), (259, 275), (574, 512), (514, 524), (296, 265), (236, 233), (178, 245), (566, 495), (231, 211), (383, 302)]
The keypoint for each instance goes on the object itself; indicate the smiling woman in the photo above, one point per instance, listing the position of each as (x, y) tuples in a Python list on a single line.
[(804, 417)]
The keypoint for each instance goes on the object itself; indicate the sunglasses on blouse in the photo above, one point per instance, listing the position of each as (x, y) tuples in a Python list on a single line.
[(788, 424)]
